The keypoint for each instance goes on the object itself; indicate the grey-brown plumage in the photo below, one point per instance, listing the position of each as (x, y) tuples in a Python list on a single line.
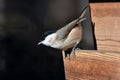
[(61, 33), (68, 36)]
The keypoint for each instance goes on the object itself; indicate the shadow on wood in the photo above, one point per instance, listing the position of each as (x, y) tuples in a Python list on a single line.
[(93, 65)]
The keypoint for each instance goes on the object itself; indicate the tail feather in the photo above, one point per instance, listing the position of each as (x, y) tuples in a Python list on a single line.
[(84, 12), (64, 31)]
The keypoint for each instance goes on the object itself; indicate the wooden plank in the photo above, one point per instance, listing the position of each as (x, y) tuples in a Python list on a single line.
[(93, 65), (107, 20)]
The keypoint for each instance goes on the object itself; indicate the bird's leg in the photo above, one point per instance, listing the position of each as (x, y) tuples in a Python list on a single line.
[(67, 56), (73, 49), (67, 53)]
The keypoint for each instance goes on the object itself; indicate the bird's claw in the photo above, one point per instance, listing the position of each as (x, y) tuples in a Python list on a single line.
[(73, 54), (68, 56)]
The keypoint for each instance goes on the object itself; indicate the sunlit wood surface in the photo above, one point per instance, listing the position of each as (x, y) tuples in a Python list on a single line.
[(93, 65), (107, 25)]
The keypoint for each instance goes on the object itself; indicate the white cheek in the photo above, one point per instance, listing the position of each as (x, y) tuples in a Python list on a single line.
[(51, 41), (46, 43), (48, 40)]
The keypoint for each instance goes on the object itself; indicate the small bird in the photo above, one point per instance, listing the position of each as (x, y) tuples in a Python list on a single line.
[(68, 36)]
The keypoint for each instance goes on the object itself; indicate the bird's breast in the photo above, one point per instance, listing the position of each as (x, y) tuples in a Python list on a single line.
[(68, 42), (73, 37), (75, 34)]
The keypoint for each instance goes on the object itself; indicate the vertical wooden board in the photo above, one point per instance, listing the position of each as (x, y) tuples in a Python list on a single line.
[(107, 25)]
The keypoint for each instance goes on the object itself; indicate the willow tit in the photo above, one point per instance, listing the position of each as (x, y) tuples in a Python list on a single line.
[(68, 36)]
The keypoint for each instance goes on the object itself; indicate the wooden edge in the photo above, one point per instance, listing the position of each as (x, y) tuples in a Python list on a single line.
[(93, 65)]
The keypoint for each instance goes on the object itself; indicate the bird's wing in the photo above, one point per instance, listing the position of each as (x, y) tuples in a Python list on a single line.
[(73, 37), (64, 31)]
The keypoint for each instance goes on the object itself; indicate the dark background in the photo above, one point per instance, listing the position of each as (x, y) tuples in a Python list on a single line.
[(104, 0), (22, 22)]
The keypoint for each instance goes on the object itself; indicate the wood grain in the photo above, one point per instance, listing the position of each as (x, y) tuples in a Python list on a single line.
[(93, 65), (103, 64), (107, 25)]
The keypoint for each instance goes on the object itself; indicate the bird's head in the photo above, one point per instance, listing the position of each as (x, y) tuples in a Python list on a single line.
[(46, 38)]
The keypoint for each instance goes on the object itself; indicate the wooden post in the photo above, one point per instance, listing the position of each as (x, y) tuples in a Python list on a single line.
[(103, 64), (106, 17), (93, 65)]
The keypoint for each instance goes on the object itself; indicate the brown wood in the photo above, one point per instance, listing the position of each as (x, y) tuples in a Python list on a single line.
[(93, 65), (107, 25), (103, 64)]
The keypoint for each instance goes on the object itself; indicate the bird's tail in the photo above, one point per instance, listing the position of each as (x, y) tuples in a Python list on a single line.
[(82, 16), (64, 31), (84, 12)]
